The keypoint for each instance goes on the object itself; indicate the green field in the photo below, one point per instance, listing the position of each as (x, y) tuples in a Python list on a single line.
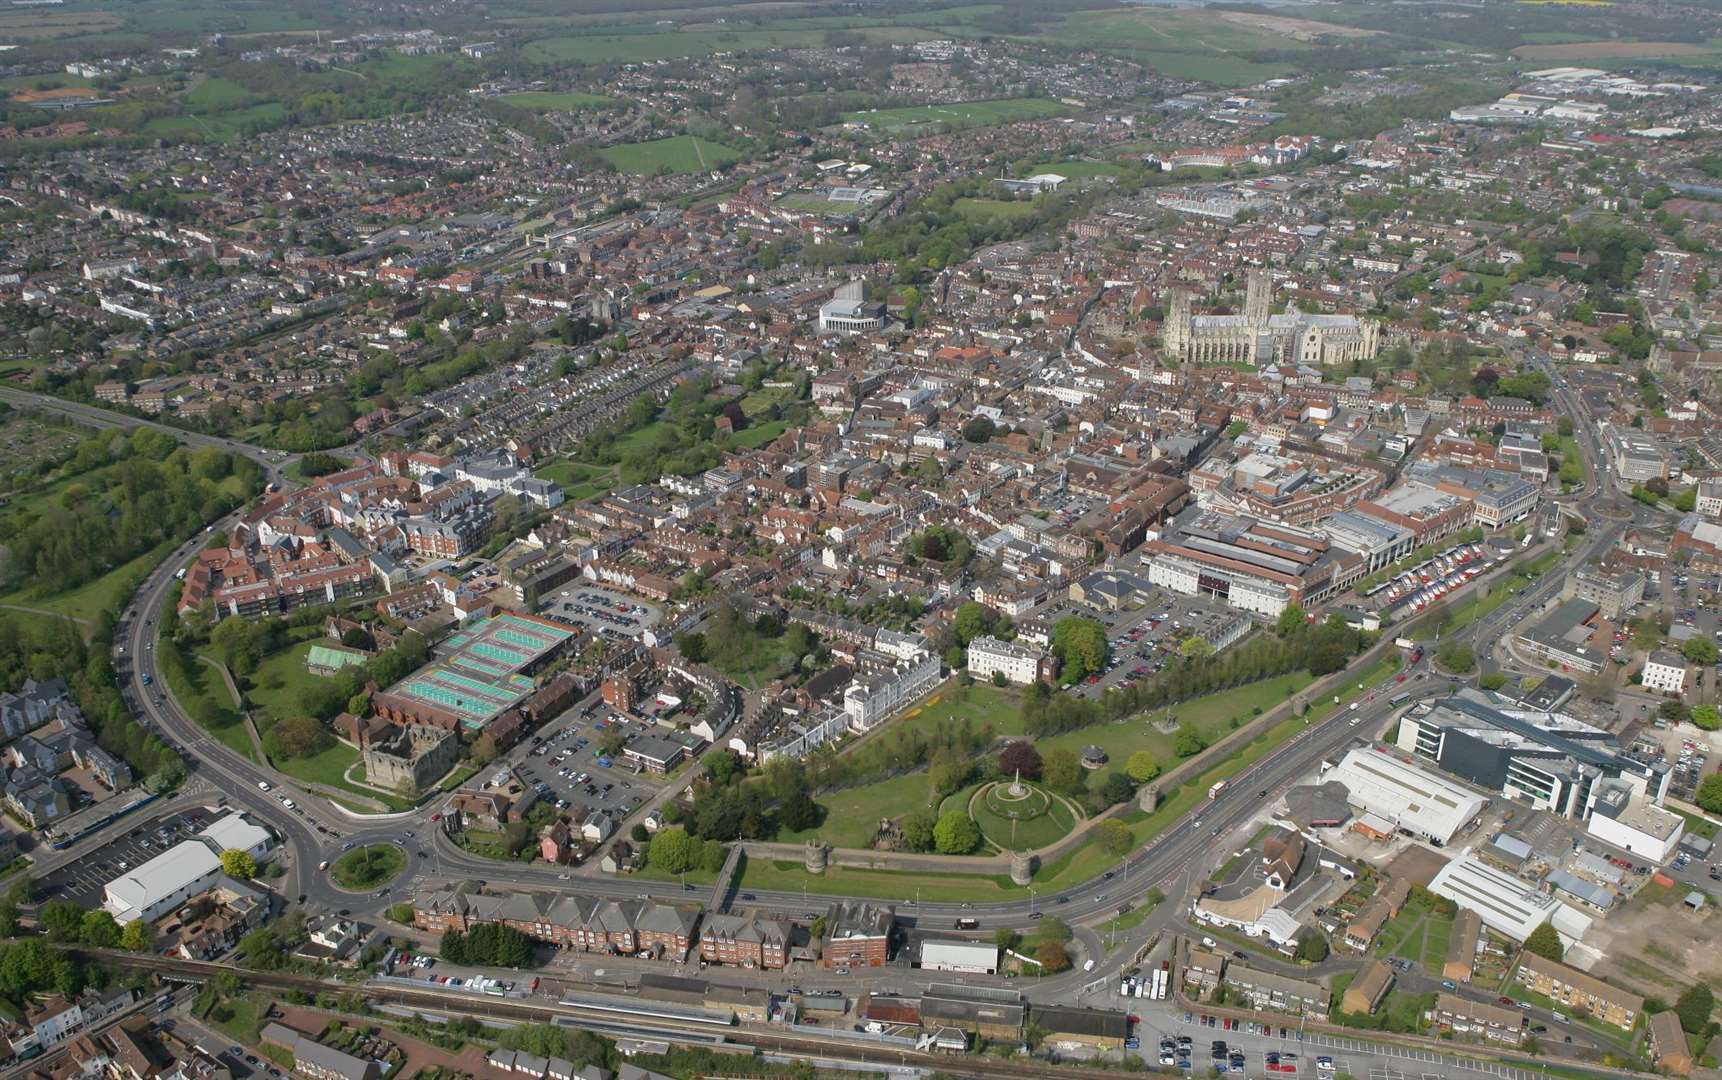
[(558, 101), (106, 593), (1183, 44), (677, 154), (1030, 835), (852, 814), (579, 482), (1418, 934), (275, 687), (204, 682), (1212, 715), (752, 438), (368, 867), (781, 876), (976, 209), (979, 704), (215, 94), (956, 116), (632, 48)]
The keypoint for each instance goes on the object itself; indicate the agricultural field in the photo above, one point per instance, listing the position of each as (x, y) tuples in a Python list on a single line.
[(956, 116), (1613, 50), (1191, 45), (677, 154), (28, 447), (558, 101), (26, 26)]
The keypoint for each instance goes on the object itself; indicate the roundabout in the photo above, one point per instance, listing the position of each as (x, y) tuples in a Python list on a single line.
[(368, 867)]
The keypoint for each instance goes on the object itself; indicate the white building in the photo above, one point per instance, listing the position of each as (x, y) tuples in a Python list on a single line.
[(872, 698), (1665, 673), (1624, 818), (183, 871), (1413, 799), (1018, 663), (974, 957), (849, 312), (152, 890), (1504, 903)]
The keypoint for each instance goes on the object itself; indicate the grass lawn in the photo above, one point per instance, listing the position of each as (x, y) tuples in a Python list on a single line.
[(368, 867), (106, 593), (203, 682), (1419, 935), (978, 704), (752, 438), (327, 768), (237, 1019), (1698, 826), (216, 94), (1211, 714), (275, 687), (1030, 835), (768, 658), (558, 101), (851, 814), (677, 154), (1474, 607), (976, 209), (692, 877)]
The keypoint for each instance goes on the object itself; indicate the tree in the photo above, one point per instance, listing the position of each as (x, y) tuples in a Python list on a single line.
[(1709, 797), (1694, 1006), (1195, 648), (1291, 620), (99, 930), (722, 766), (1699, 650), (1061, 769), (1080, 645), (1312, 948), (971, 621), (1188, 742), (1706, 717), (693, 646), (1117, 788), (978, 429), (1113, 837), (917, 830), (136, 936), (1456, 657), (672, 850), (1053, 957), (799, 812), (1020, 757), (1545, 942), (62, 919), (238, 865), (1141, 766), (955, 834), (949, 770)]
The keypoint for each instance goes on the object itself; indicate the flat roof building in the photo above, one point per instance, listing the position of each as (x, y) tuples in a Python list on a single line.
[(1252, 565), (479, 673), (1413, 799), (975, 957), (1503, 902), (1549, 760), (1562, 638)]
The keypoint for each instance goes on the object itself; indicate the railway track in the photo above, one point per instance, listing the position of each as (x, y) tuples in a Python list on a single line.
[(755, 1037)]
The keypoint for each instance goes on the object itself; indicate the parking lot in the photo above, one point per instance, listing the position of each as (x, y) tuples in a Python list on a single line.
[(1142, 641), (565, 749), (81, 882), (607, 613)]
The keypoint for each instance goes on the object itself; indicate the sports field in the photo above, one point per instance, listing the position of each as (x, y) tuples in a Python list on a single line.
[(975, 209), (677, 154), (967, 114)]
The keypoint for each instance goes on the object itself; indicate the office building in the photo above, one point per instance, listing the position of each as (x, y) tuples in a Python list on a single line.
[(1549, 760), (1613, 594), (1664, 673), (1019, 664)]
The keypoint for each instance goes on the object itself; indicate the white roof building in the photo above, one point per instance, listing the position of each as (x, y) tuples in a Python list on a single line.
[(1504, 903), (234, 833), (152, 890), (977, 957), (1411, 798)]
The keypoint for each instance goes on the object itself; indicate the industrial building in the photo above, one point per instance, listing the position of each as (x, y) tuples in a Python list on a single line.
[(1549, 760), (1624, 818), (1503, 902), (1402, 796)]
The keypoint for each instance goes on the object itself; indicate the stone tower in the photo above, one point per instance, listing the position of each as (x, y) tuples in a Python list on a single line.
[(1021, 867), (816, 857), (1175, 331), (1258, 296)]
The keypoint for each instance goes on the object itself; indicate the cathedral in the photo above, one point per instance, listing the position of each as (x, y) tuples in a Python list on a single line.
[(1260, 338)]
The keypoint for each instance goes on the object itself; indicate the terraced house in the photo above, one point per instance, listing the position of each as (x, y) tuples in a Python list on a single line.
[(1584, 994), (626, 927)]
